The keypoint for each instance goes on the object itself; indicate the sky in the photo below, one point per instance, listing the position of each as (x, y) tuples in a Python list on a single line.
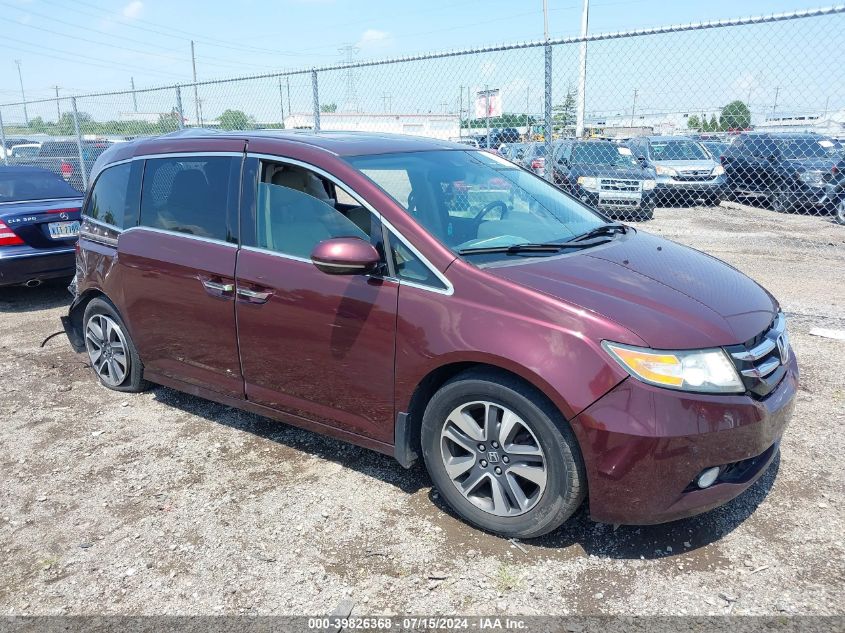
[(99, 45)]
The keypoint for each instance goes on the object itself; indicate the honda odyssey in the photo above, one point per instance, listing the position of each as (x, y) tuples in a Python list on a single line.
[(432, 301)]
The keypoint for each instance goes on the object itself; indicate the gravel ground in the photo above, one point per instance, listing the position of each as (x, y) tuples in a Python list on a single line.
[(162, 503)]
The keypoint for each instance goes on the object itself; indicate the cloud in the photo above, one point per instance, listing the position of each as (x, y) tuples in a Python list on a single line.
[(26, 18), (133, 9), (373, 38)]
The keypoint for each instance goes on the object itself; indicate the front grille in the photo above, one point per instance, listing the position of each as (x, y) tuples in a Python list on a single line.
[(694, 174), (620, 184), (761, 361)]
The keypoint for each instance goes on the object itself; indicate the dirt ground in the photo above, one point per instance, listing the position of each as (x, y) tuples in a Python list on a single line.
[(162, 503)]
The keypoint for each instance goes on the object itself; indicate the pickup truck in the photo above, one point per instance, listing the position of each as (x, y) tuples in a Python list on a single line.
[(62, 158)]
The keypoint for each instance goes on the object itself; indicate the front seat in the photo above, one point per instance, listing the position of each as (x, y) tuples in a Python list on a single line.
[(189, 203)]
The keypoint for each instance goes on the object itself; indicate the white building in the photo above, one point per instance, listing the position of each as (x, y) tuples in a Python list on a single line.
[(826, 123), (441, 126)]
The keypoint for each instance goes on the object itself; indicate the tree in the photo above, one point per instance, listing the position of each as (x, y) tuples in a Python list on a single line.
[(564, 114), (235, 120), (693, 122), (37, 124), (735, 116), (328, 107)]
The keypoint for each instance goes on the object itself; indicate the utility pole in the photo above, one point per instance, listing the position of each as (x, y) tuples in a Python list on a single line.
[(134, 96), (775, 106), (58, 110), (387, 102), (527, 113), (198, 118), (461, 112), (582, 71), (287, 83), (282, 103), (548, 130), (487, 112), (23, 94), (634, 107), (352, 105)]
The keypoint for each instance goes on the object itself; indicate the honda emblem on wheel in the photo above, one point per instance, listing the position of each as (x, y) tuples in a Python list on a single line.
[(492, 457)]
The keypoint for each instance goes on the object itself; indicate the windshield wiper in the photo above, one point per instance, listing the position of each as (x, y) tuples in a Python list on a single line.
[(527, 247), (604, 229)]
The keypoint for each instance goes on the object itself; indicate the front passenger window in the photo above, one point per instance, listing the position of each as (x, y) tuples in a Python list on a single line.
[(296, 212)]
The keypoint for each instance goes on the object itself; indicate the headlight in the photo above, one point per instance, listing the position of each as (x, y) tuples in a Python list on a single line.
[(811, 177), (666, 171), (589, 183), (718, 170), (648, 185), (707, 370)]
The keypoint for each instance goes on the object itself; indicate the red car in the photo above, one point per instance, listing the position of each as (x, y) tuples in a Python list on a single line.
[(531, 352)]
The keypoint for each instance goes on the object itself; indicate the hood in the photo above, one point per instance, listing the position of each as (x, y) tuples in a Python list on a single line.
[(812, 164), (671, 296), (609, 171)]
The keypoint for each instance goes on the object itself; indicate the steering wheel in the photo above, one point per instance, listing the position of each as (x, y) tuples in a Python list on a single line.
[(478, 219)]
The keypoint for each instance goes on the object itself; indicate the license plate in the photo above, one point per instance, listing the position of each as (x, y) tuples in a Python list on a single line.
[(63, 230)]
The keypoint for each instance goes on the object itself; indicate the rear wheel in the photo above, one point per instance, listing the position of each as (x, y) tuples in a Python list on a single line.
[(111, 351), (502, 457)]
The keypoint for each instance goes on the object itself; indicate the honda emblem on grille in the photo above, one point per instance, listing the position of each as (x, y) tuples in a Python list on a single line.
[(783, 349), (492, 457)]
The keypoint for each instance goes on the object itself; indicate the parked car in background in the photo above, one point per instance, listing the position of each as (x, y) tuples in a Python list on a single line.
[(62, 158), (529, 351), (715, 148), (685, 171), (466, 140), (11, 142), (498, 136), (39, 222), (785, 170), (605, 176), (534, 157), (514, 152), (835, 183), (25, 150)]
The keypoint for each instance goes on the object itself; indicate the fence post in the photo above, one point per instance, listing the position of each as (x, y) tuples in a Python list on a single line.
[(181, 120), (3, 140), (547, 110), (316, 100), (82, 168)]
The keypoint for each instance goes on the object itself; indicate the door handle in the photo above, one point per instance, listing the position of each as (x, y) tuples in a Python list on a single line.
[(217, 288), (253, 296)]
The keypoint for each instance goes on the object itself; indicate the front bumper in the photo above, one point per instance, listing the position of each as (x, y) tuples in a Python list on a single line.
[(668, 186), (643, 446), (615, 202), (20, 264)]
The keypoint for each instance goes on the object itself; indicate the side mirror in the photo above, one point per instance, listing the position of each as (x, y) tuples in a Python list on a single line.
[(345, 256)]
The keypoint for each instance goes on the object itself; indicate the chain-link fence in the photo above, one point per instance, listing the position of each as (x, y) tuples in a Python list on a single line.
[(749, 113)]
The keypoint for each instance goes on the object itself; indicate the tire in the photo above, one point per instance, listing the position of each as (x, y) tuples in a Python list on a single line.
[(780, 201), (839, 211), (118, 367), (540, 475)]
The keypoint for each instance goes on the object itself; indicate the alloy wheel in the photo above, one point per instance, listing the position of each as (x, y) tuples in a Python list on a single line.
[(107, 349), (493, 458), (840, 211)]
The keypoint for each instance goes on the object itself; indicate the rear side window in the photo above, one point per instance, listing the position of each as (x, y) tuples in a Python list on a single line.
[(193, 195), (114, 199), (33, 185)]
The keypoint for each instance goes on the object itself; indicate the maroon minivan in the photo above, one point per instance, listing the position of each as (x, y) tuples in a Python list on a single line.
[(422, 298)]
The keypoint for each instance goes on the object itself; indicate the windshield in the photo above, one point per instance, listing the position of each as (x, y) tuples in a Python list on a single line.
[(602, 154), (802, 148), (470, 199), (34, 185), (715, 148), (677, 150)]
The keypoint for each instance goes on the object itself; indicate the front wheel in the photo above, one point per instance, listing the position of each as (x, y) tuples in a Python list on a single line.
[(501, 455), (839, 213), (111, 351)]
